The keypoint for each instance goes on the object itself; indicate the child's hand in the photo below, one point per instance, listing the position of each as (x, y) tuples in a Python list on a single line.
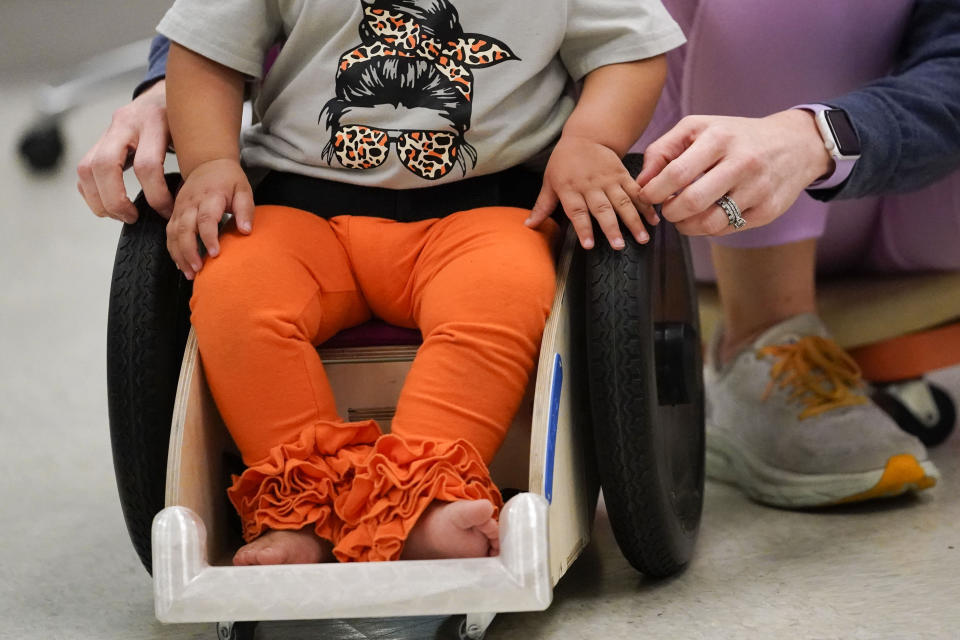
[(587, 177), (213, 188)]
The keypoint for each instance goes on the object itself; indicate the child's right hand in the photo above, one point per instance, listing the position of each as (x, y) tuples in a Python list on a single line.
[(212, 189)]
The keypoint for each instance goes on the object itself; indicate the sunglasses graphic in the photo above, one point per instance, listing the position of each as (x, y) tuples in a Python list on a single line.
[(429, 154)]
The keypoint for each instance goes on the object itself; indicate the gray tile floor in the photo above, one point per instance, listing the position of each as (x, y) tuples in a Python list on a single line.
[(68, 571)]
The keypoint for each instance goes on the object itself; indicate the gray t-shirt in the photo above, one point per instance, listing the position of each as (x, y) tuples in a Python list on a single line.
[(408, 93)]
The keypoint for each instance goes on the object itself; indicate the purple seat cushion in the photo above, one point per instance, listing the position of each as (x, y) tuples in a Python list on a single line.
[(374, 333)]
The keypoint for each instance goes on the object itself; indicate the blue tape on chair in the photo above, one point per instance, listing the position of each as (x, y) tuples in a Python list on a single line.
[(556, 384)]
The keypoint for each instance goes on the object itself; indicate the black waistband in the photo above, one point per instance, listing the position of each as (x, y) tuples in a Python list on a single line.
[(511, 188)]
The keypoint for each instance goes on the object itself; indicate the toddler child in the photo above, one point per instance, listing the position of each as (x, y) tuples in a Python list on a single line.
[(398, 156)]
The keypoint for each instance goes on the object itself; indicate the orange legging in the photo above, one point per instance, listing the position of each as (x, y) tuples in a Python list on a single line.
[(478, 284)]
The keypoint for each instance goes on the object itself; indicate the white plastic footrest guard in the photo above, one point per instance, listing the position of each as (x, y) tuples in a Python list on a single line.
[(188, 589)]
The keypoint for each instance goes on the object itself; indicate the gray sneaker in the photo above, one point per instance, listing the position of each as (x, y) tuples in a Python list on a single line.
[(789, 422)]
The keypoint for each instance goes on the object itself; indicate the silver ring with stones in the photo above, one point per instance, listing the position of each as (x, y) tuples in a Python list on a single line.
[(734, 215)]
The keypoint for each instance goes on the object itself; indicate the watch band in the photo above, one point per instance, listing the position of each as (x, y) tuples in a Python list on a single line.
[(843, 167)]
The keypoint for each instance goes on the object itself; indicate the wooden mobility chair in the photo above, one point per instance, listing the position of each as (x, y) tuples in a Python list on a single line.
[(617, 401)]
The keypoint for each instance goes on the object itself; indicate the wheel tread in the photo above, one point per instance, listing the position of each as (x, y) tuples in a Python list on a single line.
[(146, 333), (654, 539)]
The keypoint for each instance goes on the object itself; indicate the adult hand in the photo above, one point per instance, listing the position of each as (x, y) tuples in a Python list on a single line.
[(762, 164), (212, 189), (589, 178), (138, 135)]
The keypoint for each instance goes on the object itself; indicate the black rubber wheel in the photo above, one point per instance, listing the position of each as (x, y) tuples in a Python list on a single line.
[(147, 329), (449, 628), (929, 434), (42, 146), (646, 387), (236, 630)]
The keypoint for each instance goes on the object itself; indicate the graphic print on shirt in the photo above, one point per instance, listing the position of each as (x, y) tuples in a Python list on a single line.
[(414, 64)]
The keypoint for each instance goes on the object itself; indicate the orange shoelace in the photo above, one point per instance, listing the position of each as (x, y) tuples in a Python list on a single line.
[(822, 375)]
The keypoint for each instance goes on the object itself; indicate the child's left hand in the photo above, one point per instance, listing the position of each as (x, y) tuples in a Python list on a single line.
[(588, 178)]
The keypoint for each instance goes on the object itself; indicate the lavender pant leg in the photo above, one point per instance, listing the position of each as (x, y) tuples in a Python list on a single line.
[(916, 231), (807, 218), (919, 231)]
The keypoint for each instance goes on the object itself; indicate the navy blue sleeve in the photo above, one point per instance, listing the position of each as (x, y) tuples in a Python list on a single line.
[(909, 121), (157, 69)]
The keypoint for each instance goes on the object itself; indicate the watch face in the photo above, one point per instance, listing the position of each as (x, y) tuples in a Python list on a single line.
[(843, 132)]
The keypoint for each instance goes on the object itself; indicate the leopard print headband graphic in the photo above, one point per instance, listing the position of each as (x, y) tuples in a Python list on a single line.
[(412, 54), (399, 34)]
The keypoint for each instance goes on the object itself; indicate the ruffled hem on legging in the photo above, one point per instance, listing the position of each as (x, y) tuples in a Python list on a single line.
[(395, 484), (297, 483)]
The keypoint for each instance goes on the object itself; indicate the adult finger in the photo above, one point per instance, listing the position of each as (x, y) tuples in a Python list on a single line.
[(209, 214), (108, 166), (681, 172), (242, 207), (544, 207), (606, 217), (758, 207), (667, 147), (87, 185), (575, 208), (703, 193), (148, 167), (626, 210), (649, 214), (714, 220), (92, 200)]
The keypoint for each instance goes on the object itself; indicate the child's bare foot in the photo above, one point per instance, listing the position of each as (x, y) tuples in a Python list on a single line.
[(463, 529), (285, 547)]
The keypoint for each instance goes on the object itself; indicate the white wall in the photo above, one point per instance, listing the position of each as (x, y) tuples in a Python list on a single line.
[(42, 39)]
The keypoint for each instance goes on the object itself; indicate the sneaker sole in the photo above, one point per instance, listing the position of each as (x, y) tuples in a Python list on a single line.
[(781, 488)]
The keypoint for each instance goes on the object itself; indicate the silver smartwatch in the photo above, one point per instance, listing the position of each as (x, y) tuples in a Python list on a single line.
[(840, 140)]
